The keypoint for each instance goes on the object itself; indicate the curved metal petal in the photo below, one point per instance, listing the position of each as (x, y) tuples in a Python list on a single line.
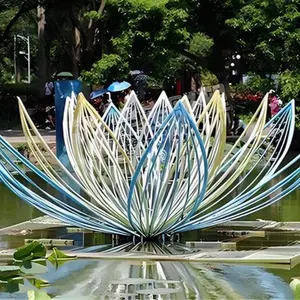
[(170, 180), (157, 174)]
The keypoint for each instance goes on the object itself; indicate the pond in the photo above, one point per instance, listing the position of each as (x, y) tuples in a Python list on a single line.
[(88, 279)]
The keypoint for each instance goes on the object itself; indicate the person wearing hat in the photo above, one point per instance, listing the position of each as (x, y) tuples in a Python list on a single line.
[(64, 76), (99, 101)]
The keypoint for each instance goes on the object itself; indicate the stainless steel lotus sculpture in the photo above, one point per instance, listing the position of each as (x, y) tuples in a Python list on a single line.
[(171, 171)]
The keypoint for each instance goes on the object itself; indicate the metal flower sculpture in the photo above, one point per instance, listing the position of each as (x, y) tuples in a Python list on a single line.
[(171, 171)]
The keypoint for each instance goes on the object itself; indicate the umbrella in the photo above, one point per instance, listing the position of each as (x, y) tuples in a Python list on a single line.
[(65, 74), (119, 86), (136, 72), (98, 93)]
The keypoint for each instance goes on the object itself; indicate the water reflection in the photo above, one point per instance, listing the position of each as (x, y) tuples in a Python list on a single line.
[(167, 280)]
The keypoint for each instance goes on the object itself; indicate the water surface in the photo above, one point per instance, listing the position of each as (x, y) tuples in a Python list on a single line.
[(105, 279)]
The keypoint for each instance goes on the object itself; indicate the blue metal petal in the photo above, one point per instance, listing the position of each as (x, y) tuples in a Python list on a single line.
[(171, 177)]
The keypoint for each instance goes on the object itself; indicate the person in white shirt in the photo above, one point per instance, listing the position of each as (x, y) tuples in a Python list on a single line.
[(49, 87), (49, 92)]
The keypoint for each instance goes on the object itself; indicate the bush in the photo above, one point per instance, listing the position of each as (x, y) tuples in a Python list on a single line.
[(9, 112), (208, 78), (247, 96), (289, 84), (19, 89)]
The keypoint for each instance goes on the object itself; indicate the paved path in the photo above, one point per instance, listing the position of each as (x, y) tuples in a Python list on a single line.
[(17, 137)]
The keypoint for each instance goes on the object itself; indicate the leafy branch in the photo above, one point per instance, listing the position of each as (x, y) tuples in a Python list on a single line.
[(25, 7)]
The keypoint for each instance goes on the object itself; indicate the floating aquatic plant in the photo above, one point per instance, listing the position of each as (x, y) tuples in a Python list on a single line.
[(29, 262)]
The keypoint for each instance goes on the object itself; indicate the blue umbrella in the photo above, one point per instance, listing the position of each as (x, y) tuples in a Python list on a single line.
[(98, 93), (119, 86)]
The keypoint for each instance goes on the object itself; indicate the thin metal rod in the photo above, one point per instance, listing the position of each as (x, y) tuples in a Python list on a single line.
[(28, 53), (15, 58)]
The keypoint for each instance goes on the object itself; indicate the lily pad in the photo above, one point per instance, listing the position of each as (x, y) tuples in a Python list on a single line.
[(38, 283), (30, 251), (11, 285), (7, 272), (57, 257)]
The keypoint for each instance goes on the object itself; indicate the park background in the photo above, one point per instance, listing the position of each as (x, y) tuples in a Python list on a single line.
[(248, 46)]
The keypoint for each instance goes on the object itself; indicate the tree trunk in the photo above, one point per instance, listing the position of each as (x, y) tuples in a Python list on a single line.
[(198, 83), (76, 53), (75, 69), (42, 53)]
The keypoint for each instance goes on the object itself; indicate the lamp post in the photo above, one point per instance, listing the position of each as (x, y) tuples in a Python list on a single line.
[(26, 54)]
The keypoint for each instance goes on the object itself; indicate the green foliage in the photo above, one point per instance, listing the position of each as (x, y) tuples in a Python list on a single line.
[(58, 258), (297, 119), (109, 68), (246, 117), (247, 96), (289, 85), (151, 34), (24, 26), (208, 78), (289, 82), (30, 251), (35, 250), (5, 65), (143, 4), (93, 15), (153, 83), (22, 147), (268, 34), (255, 84), (30, 261), (123, 44), (137, 34), (7, 272), (12, 280), (201, 44)]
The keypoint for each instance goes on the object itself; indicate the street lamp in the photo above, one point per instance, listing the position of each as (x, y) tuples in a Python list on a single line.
[(26, 54)]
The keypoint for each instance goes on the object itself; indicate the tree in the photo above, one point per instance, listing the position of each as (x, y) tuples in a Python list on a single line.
[(268, 34), (12, 22), (151, 36), (19, 8), (78, 27)]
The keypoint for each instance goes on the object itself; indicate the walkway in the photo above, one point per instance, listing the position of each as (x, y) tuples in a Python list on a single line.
[(15, 137)]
